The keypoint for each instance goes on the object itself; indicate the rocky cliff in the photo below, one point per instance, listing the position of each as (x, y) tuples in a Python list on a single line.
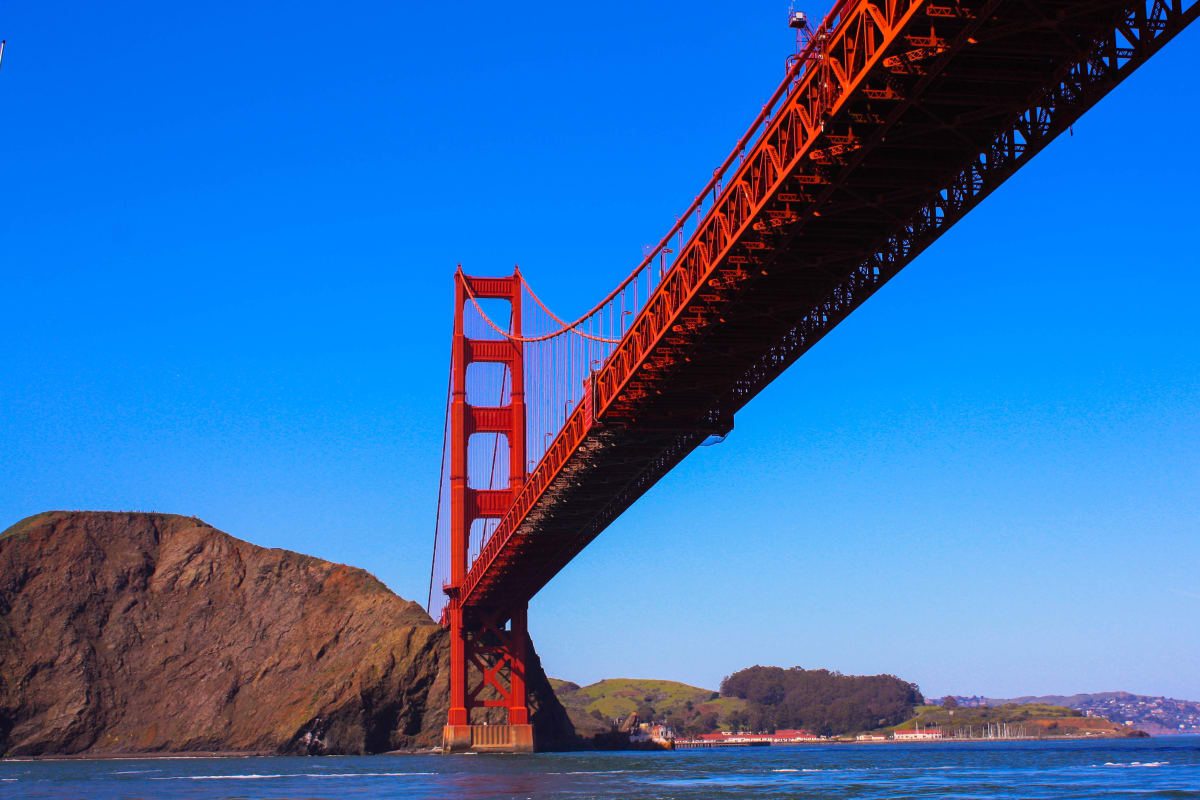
[(131, 632)]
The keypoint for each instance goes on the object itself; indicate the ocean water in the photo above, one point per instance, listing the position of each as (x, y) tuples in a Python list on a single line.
[(1131, 770)]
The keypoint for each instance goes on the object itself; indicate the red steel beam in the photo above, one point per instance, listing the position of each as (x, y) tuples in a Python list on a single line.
[(872, 71)]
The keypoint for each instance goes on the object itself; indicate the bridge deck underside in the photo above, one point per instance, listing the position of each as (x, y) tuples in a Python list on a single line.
[(995, 89)]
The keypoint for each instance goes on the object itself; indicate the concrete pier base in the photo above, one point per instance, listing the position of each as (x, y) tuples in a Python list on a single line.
[(487, 738)]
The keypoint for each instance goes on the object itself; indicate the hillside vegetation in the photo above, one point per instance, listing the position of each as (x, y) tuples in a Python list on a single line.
[(758, 698), (826, 703), (1028, 719), (691, 709)]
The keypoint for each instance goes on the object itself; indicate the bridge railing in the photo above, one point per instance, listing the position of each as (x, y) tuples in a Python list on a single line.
[(850, 42), (589, 359)]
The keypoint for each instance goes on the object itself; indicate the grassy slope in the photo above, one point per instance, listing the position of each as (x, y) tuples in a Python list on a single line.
[(26, 524), (619, 697), (1039, 719)]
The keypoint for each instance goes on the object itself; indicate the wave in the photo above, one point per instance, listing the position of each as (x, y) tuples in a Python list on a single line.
[(256, 777), (592, 772)]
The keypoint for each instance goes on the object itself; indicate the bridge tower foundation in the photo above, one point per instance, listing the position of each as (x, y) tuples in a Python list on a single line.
[(488, 647)]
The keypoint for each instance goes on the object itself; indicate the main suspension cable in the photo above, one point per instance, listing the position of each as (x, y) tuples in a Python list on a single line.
[(437, 523), (815, 42), (572, 328)]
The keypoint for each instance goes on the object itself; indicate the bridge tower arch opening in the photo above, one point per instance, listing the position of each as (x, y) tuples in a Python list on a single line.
[(488, 647)]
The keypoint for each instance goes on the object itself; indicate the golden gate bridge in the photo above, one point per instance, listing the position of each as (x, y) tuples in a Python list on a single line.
[(895, 118)]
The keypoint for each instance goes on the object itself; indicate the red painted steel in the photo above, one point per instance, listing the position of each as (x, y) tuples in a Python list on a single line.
[(901, 118), (479, 638)]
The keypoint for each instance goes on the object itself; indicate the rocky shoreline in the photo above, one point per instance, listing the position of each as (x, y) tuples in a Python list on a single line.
[(127, 634)]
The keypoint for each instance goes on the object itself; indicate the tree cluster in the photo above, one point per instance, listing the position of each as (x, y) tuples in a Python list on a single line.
[(826, 703)]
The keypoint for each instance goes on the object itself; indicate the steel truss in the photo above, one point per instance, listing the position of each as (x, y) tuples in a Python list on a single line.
[(910, 116)]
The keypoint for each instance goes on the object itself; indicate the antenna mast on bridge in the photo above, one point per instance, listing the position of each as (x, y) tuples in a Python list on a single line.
[(798, 21)]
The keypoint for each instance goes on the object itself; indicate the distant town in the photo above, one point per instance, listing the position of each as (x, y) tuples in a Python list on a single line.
[(1158, 716), (764, 706), (662, 735), (726, 739)]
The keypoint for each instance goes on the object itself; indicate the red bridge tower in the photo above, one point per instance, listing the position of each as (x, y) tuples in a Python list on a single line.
[(487, 647)]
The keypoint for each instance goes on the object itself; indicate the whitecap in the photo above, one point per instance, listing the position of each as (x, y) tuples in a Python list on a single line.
[(592, 772), (218, 777), (362, 774), (254, 777)]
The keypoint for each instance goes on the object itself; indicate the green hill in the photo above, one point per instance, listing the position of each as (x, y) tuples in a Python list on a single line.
[(595, 709), (1029, 719), (601, 704)]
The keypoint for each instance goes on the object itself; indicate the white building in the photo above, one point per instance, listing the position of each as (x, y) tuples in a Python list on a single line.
[(917, 735)]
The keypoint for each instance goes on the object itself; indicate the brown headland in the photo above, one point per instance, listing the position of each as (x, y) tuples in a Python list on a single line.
[(127, 633)]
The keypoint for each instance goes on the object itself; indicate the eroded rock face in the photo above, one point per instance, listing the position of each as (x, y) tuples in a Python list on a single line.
[(132, 632)]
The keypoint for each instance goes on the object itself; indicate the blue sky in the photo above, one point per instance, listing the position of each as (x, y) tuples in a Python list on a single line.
[(227, 237)]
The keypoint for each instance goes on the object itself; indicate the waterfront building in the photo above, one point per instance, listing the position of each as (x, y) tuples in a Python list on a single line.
[(917, 735)]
